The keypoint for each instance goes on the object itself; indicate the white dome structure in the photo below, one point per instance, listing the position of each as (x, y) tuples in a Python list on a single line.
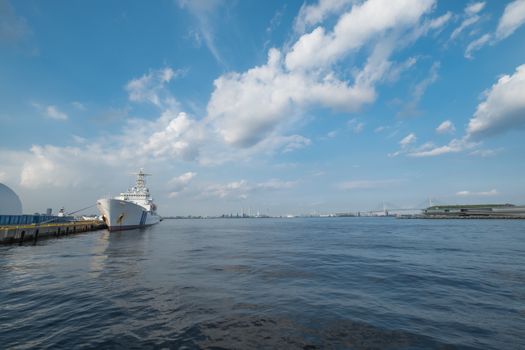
[(10, 204)]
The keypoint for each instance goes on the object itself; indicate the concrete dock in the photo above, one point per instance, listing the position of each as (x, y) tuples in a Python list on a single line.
[(34, 232)]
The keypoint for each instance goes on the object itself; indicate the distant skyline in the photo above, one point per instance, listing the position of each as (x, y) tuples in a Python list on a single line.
[(284, 107)]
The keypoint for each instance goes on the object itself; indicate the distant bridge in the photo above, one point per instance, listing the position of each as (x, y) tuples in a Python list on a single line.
[(387, 207)]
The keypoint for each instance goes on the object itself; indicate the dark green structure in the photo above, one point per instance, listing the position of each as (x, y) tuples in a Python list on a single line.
[(476, 210)]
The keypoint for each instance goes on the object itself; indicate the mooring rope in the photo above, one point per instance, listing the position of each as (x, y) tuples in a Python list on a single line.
[(57, 217), (74, 212)]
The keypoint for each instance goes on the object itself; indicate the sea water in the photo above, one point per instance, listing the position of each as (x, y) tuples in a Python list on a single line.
[(343, 283)]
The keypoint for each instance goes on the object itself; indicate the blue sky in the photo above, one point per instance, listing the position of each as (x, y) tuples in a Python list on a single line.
[(282, 107)]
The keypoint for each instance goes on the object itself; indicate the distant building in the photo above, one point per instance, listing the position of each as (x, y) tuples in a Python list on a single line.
[(476, 210), (49, 211)]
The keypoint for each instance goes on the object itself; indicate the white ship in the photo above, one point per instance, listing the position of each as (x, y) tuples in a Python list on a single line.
[(131, 209)]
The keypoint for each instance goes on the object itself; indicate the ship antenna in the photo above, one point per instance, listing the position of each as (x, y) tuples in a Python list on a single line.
[(141, 183)]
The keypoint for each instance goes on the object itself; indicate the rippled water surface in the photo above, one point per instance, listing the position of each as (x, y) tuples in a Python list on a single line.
[(270, 283)]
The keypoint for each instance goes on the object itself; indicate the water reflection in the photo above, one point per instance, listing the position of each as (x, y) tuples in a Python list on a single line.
[(98, 254)]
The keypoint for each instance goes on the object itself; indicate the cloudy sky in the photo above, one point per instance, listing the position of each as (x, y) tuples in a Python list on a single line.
[(278, 106)]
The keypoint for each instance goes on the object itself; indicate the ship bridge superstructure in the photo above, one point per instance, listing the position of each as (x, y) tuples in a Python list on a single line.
[(139, 194)]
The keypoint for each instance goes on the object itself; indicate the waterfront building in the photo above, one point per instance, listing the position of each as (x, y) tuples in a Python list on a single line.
[(11, 210), (476, 210)]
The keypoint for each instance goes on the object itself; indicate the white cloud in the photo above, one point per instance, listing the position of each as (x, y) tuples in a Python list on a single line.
[(408, 140), (331, 134), (177, 136), (454, 146), (310, 15), (410, 150), (411, 109), (422, 86), (368, 184), (485, 152), (44, 166), (174, 136), (78, 105), (471, 17), (235, 189), (276, 184), (205, 12), (492, 192), (291, 143), (354, 29), (439, 22), (513, 17), (503, 108), (391, 70), (355, 126), (276, 20), (63, 166), (50, 111), (242, 189), (47, 175), (466, 23), (447, 127), (54, 113), (248, 107), (252, 110), (275, 143), (476, 45), (180, 183), (474, 8), (151, 87), (11, 163), (79, 139), (359, 127)]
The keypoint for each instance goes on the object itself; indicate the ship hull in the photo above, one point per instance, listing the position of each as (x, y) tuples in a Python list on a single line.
[(123, 215)]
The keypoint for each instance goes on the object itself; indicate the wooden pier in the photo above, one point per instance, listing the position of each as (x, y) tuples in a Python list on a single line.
[(34, 232)]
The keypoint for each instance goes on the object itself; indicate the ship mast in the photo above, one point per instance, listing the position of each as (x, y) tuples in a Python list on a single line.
[(141, 182)]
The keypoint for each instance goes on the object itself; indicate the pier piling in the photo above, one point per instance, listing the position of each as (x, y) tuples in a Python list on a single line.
[(22, 233)]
